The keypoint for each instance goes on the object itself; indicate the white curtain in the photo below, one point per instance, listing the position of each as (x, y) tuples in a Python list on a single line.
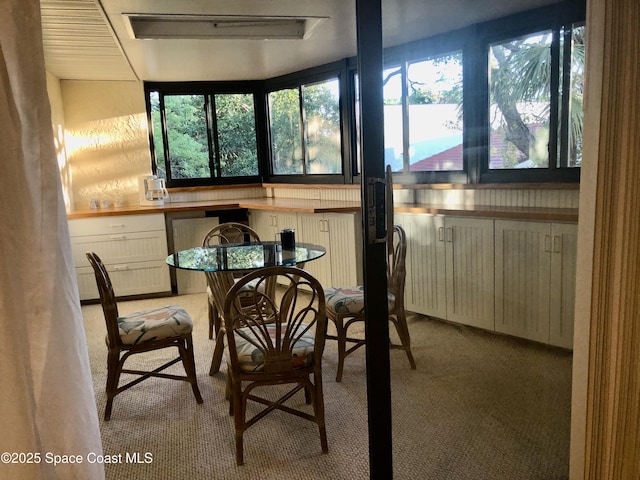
[(47, 404)]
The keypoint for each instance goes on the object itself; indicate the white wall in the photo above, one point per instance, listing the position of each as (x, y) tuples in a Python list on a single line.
[(107, 139)]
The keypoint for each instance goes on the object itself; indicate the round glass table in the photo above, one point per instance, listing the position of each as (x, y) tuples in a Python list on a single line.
[(221, 263), (244, 256)]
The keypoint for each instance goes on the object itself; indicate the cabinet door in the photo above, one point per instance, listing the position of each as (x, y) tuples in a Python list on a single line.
[(469, 257), (337, 232), (263, 222), (563, 283), (189, 233), (425, 286), (313, 228), (523, 273), (345, 243)]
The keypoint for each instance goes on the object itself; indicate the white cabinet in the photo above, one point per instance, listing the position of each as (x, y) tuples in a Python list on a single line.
[(563, 283), (450, 270), (132, 247), (425, 287), (469, 253), (267, 223), (535, 280), (189, 233), (339, 233)]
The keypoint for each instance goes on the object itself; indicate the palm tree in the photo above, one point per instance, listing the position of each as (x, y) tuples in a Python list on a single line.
[(521, 74)]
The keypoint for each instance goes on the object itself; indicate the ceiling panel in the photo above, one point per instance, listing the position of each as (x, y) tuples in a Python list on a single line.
[(93, 40), (79, 43)]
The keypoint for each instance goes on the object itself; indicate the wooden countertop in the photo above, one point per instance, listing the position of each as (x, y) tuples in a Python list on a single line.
[(487, 211), (282, 204), (334, 206)]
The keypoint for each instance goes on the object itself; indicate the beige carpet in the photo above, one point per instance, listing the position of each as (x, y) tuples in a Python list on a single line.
[(479, 406)]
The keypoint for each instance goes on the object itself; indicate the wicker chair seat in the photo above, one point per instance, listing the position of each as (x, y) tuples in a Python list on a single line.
[(165, 322), (350, 299)]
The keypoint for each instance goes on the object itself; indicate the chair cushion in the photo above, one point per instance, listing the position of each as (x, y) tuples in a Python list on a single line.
[(165, 322), (251, 359), (349, 300)]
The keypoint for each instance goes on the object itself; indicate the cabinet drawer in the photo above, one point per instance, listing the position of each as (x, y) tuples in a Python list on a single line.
[(116, 224), (120, 247), (127, 279)]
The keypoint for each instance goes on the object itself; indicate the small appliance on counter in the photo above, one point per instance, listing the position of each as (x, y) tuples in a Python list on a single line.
[(153, 190)]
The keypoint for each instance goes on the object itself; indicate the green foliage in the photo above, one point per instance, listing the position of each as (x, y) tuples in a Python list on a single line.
[(236, 126), (190, 149), (286, 133)]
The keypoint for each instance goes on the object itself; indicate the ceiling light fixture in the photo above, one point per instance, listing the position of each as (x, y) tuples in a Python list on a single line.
[(172, 26)]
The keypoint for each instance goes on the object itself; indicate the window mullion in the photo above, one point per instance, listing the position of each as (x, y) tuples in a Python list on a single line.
[(303, 130), (406, 140), (554, 91), (165, 139), (212, 134), (565, 109)]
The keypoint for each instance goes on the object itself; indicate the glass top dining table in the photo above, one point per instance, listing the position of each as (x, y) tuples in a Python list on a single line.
[(219, 262), (244, 256)]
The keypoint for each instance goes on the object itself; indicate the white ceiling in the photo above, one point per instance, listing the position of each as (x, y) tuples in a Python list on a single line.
[(90, 39)]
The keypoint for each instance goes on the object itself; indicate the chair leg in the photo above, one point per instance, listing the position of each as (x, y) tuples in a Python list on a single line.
[(341, 335), (214, 321), (113, 376), (239, 411), (318, 407), (189, 363), (218, 350), (403, 333)]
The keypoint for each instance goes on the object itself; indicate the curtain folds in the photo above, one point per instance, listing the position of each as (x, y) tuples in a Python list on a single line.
[(47, 404)]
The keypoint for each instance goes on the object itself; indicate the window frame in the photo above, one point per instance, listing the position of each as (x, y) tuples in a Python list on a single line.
[(554, 18), (209, 90), (297, 80), (473, 41)]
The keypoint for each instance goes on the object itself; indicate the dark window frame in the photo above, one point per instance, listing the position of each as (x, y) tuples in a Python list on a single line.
[(297, 80), (208, 90), (473, 41)]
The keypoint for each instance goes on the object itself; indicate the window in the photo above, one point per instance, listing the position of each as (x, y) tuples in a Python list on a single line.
[(499, 101), (570, 154), (520, 102), (494, 102), (202, 137), (305, 125), (286, 132), (435, 113)]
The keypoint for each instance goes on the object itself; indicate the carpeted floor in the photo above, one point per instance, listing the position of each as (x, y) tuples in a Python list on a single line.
[(478, 407)]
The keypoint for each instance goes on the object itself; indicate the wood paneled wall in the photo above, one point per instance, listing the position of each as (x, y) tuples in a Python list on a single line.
[(611, 448)]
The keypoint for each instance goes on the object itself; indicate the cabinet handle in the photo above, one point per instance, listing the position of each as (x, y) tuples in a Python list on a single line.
[(120, 267), (441, 234), (326, 225), (116, 225), (118, 237), (547, 243), (449, 235), (557, 244)]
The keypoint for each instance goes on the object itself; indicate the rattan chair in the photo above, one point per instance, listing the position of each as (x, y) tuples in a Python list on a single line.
[(225, 233), (142, 332), (345, 306), (275, 341)]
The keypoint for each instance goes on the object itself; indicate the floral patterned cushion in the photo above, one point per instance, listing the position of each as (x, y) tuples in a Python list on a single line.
[(349, 299), (251, 359), (154, 324)]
